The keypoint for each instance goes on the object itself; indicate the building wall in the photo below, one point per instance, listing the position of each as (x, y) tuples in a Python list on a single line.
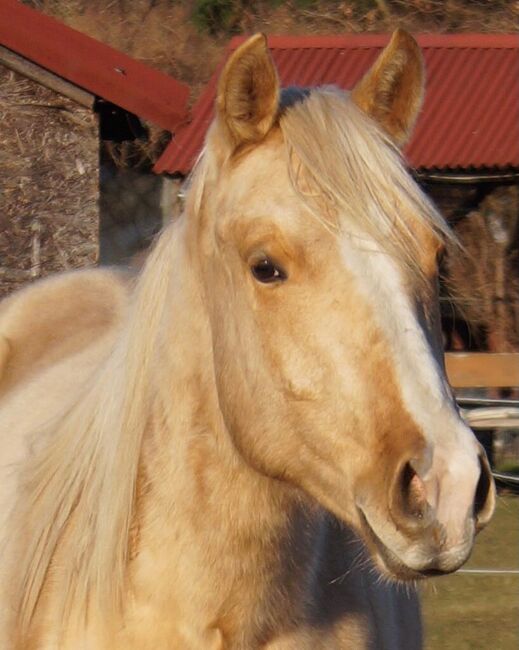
[(49, 176)]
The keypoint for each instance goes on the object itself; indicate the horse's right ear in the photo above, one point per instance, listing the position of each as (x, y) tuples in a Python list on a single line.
[(248, 93)]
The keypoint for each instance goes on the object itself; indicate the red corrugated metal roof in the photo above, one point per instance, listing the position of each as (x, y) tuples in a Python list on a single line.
[(92, 65), (470, 118)]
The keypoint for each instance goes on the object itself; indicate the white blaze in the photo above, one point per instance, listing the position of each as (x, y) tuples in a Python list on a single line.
[(454, 469)]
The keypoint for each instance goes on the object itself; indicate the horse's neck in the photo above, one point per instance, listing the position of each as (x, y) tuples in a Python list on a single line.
[(206, 522)]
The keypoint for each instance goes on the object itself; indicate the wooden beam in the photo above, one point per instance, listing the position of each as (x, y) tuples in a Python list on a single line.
[(482, 369), (36, 73)]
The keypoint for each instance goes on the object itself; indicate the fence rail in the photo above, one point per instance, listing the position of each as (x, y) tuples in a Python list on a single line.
[(482, 369), (481, 401), (493, 414)]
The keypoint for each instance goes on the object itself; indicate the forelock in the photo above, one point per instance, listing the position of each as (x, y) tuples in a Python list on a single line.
[(351, 176)]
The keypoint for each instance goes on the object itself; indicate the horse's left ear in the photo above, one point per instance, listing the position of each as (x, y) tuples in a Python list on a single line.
[(392, 90), (248, 93)]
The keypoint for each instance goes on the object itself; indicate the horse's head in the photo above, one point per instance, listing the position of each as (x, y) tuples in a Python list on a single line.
[(318, 257)]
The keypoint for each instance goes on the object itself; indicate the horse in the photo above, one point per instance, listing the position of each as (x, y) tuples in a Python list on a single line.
[(252, 444)]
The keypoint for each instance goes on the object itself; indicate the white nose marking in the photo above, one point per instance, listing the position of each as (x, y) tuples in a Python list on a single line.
[(422, 384), (454, 478)]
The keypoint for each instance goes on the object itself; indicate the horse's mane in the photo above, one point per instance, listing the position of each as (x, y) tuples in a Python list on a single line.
[(77, 492)]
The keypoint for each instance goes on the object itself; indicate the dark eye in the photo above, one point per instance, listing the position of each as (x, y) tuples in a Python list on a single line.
[(266, 271)]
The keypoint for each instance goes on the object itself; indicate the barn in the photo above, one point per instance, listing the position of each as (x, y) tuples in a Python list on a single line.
[(464, 151), (67, 102)]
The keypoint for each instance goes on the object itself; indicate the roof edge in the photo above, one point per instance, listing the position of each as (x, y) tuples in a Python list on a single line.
[(468, 40)]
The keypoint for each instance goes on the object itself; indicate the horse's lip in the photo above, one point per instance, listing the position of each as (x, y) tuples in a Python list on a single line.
[(392, 563)]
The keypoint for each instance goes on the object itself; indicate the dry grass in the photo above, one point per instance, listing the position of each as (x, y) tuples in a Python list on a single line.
[(48, 172)]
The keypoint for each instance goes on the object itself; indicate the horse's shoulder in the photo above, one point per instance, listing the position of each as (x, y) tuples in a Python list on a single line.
[(56, 317)]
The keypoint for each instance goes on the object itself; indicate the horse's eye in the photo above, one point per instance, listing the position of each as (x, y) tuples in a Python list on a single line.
[(266, 271)]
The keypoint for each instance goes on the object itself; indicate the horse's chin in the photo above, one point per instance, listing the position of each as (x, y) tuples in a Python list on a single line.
[(388, 563)]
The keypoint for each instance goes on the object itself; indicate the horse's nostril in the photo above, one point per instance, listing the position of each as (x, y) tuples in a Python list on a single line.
[(413, 493)]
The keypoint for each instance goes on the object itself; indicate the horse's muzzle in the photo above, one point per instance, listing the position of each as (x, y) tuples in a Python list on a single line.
[(434, 515)]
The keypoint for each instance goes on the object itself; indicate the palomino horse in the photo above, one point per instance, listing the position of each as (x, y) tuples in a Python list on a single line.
[(218, 455)]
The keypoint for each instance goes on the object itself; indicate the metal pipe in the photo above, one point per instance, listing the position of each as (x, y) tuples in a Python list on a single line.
[(486, 402), (457, 178)]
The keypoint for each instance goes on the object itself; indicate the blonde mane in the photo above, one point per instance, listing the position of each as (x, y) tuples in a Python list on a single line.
[(78, 493)]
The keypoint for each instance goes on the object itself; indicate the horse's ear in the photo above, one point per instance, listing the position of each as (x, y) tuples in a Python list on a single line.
[(248, 93), (392, 90)]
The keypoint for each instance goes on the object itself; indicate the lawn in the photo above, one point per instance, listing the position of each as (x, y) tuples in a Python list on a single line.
[(479, 612)]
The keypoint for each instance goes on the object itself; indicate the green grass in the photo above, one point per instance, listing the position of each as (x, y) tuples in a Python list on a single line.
[(479, 612)]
